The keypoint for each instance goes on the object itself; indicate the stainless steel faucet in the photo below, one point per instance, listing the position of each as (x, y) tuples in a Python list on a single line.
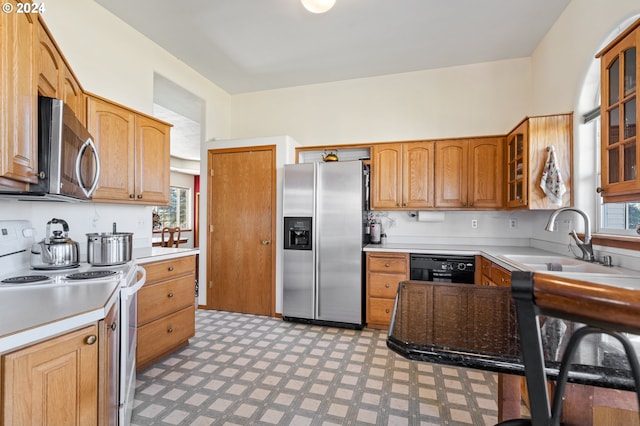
[(584, 246)]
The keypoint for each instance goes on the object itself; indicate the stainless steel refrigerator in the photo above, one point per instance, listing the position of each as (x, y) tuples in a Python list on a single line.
[(323, 234)]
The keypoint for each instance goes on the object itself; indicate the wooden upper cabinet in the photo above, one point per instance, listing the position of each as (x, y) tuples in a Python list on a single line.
[(18, 106), (386, 176), (451, 173), (152, 160), (55, 77), (402, 176), (486, 173), (620, 157), (48, 63), (527, 152), (417, 175), (72, 94), (113, 129), (469, 173), (134, 153)]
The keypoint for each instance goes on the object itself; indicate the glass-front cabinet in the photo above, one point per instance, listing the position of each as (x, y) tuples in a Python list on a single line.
[(620, 158), (517, 166), (528, 148)]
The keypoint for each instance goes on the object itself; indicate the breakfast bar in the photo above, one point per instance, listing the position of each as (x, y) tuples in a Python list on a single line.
[(476, 326)]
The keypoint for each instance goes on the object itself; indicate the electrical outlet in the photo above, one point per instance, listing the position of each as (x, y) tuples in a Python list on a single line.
[(474, 223), (513, 223)]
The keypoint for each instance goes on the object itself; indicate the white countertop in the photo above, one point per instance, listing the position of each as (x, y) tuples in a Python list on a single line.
[(32, 313), (619, 277), (154, 254)]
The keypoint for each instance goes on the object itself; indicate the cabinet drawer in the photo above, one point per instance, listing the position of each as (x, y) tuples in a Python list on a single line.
[(485, 266), (165, 297), (501, 276), (388, 263), (379, 310), (160, 336), (384, 285), (157, 271)]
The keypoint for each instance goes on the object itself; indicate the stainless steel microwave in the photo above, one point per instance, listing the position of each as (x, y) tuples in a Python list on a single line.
[(68, 161)]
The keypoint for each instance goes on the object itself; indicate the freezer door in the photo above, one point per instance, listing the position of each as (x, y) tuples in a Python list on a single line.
[(298, 190), (298, 292), (298, 281), (339, 242)]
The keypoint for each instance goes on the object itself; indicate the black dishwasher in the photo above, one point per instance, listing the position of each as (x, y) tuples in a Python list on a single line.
[(443, 268)]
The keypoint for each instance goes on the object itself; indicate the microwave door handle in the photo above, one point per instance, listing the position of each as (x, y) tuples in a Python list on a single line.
[(88, 143)]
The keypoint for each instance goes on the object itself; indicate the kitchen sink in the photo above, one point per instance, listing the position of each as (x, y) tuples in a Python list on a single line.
[(560, 264)]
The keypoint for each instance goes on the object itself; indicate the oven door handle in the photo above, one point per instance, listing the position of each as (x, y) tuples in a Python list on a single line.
[(133, 289)]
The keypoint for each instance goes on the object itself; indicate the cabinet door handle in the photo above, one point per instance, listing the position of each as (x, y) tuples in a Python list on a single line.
[(386, 285), (169, 330), (113, 326), (139, 196), (170, 295), (386, 310), (266, 242), (170, 268), (132, 195), (90, 340), (386, 265)]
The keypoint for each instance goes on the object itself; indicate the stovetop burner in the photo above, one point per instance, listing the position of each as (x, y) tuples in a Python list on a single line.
[(25, 279), (57, 267), (88, 275)]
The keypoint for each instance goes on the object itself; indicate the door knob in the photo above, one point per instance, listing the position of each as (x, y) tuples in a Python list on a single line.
[(266, 242)]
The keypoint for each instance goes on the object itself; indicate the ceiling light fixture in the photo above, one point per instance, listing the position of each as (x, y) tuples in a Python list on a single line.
[(318, 6)]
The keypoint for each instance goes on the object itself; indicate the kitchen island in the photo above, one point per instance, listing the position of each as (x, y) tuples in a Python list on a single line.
[(423, 328)]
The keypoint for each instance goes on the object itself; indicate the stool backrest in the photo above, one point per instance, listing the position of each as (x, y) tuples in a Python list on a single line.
[(602, 309), (172, 238)]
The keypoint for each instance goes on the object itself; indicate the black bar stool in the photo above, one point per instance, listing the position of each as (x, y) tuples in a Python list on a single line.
[(595, 321)]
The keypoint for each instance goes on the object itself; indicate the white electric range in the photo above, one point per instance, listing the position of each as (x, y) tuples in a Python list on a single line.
[(65, 296)]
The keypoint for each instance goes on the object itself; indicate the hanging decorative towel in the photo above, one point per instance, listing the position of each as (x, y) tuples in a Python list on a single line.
[(551, 181)]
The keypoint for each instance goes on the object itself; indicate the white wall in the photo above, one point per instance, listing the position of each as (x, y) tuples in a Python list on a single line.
[(82, 218), (113, 60), (481, 99)]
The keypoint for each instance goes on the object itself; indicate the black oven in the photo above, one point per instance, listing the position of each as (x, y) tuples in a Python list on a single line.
[(443, 268)]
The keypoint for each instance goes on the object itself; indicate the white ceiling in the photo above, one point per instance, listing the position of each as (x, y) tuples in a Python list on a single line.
[(251, 45)]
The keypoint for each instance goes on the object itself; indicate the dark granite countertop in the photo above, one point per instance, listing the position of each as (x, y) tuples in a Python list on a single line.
[(475, 327)]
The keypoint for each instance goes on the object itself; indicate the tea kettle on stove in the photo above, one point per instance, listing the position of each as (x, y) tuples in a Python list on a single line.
[(56, 250)]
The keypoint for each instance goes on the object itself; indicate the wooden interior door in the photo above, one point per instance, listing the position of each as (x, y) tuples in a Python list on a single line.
[(241, 241)]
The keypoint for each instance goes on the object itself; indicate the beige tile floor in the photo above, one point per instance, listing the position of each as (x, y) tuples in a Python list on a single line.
[(245, 369)]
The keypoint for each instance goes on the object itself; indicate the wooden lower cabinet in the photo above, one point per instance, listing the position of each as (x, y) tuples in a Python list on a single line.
[(494, 274), (109, 368), (54, 382), (384, 271), (166, 311)]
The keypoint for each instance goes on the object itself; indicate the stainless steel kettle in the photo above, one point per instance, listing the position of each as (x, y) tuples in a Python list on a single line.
[(56, 250)]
